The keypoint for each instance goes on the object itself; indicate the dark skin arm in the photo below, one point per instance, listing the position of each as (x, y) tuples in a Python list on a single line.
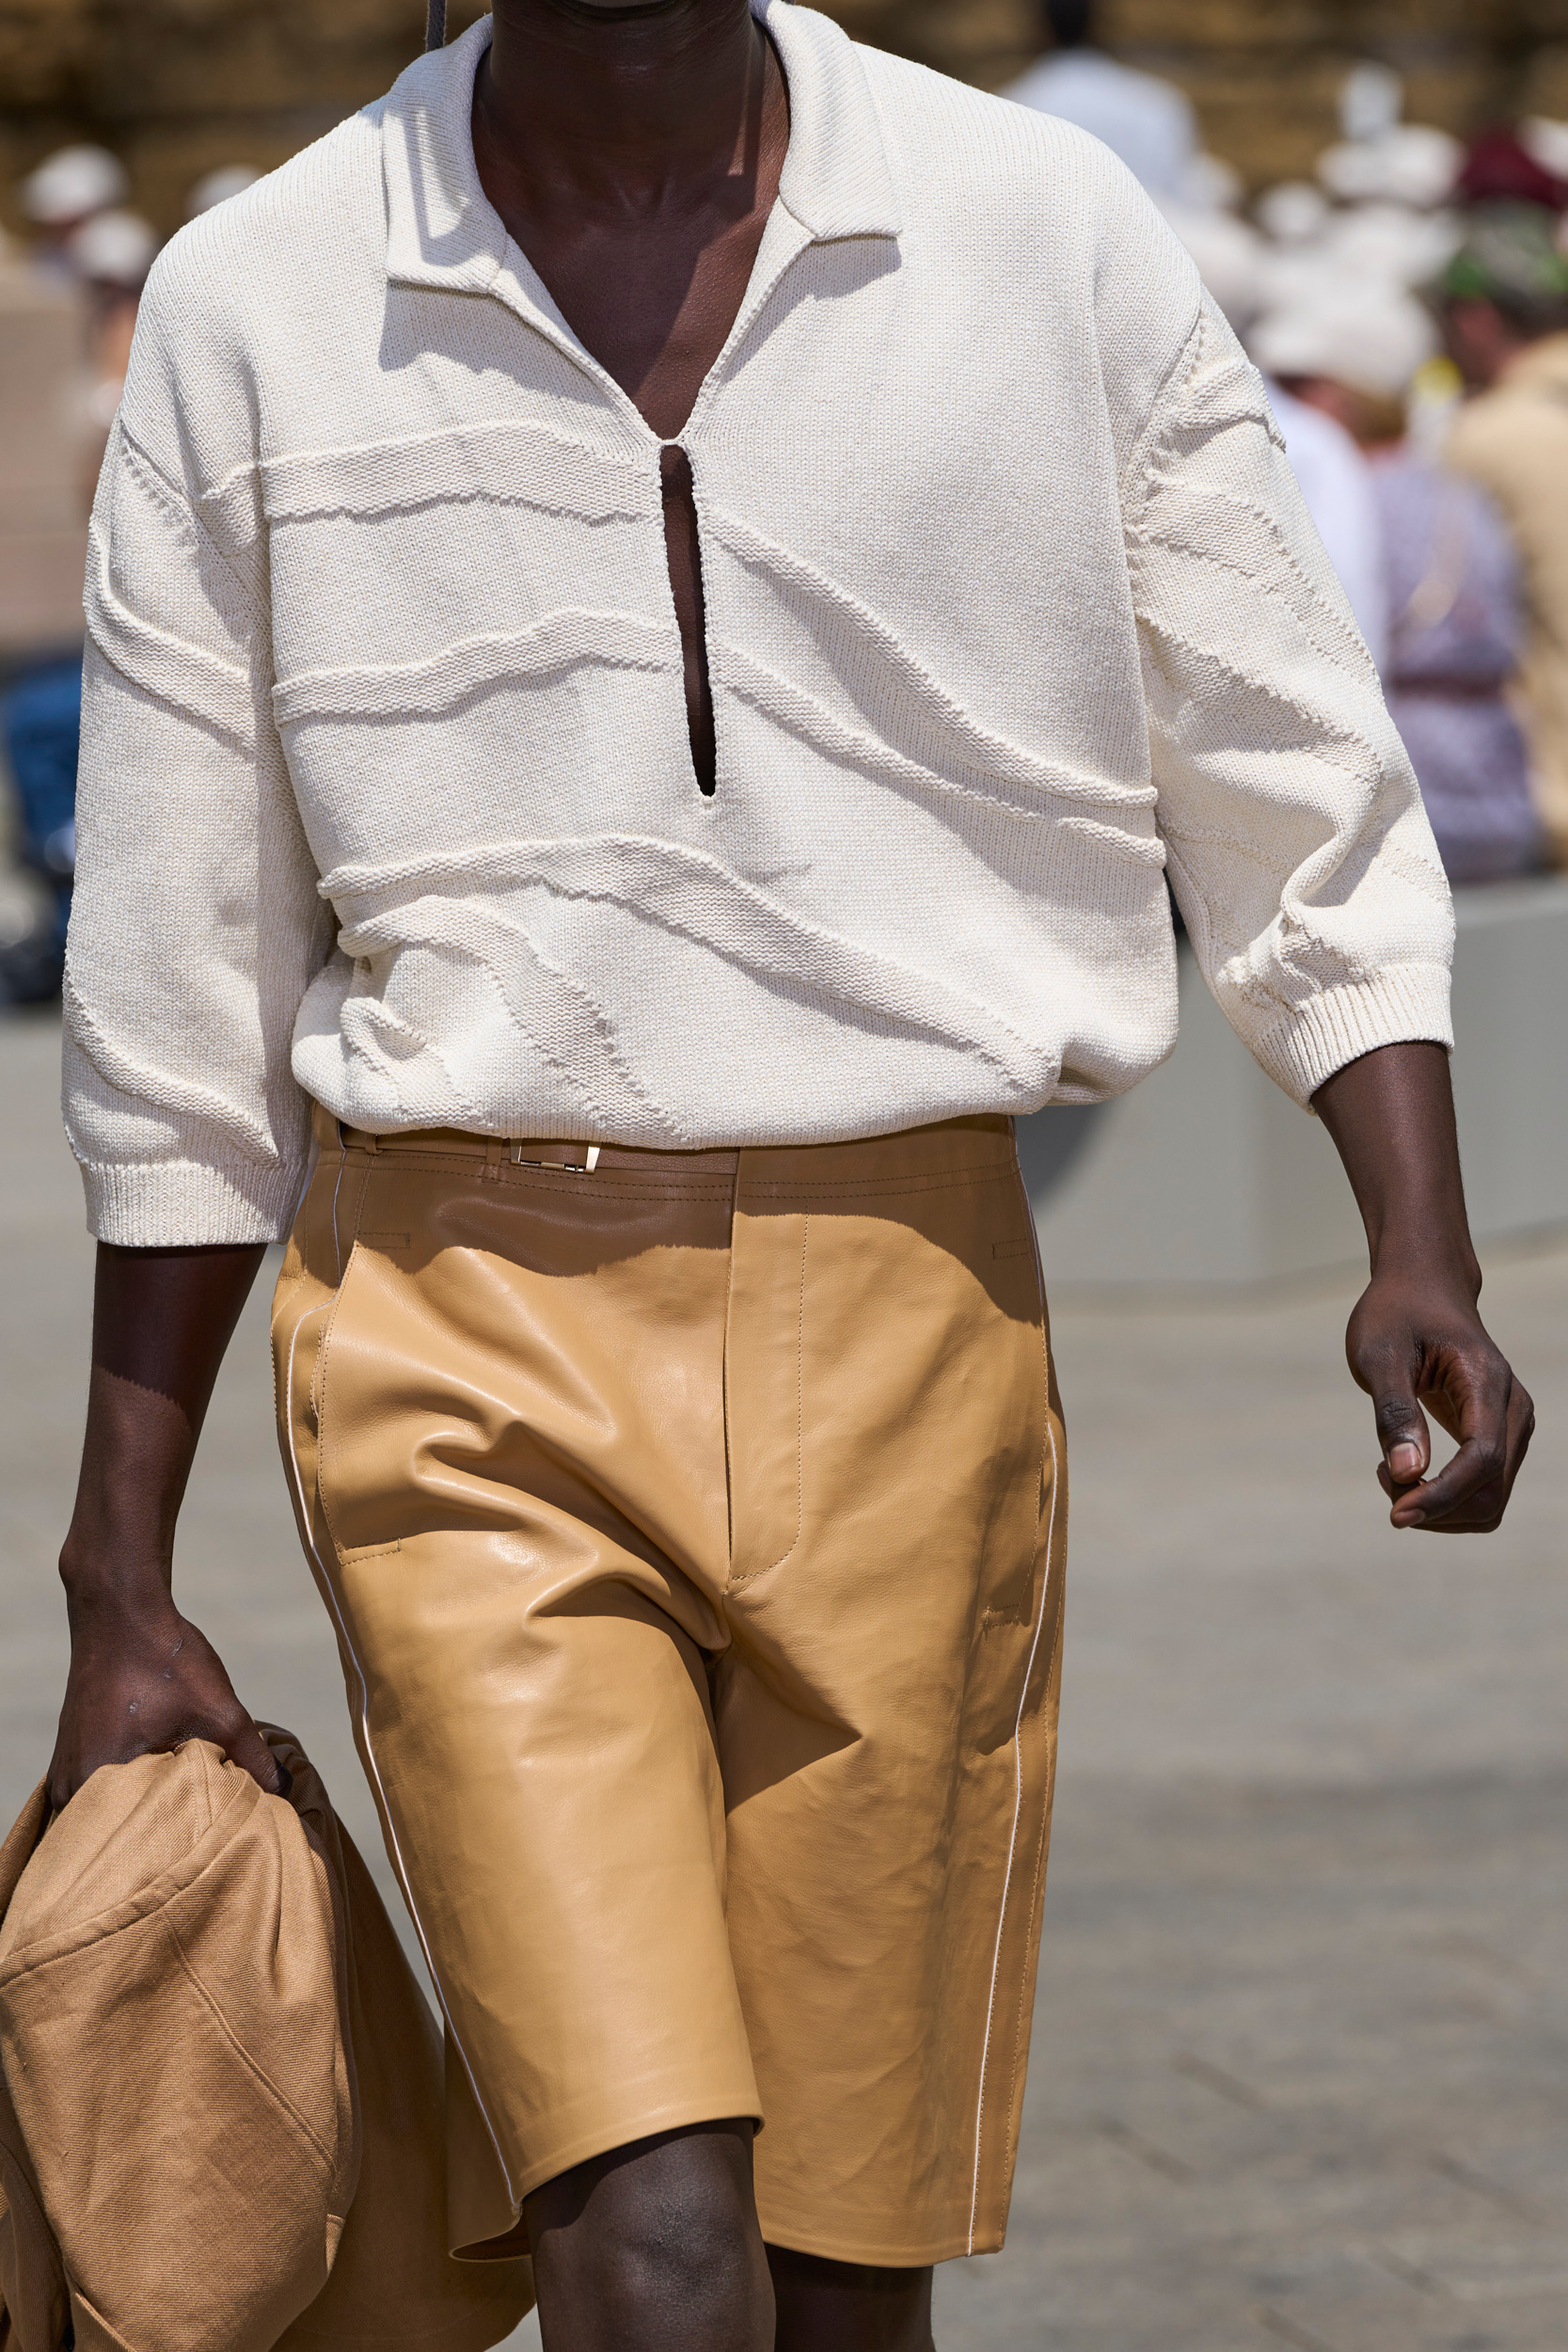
[(1415, 1338), (141, 1675)]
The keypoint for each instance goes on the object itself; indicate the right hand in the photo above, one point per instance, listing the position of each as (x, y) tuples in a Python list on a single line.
[(142, 1679)]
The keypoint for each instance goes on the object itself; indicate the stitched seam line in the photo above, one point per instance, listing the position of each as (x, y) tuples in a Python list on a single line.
[(240, 2051), (178, 497), (1018, 1727), (788, 1188), (724, 1376), (1033, 1903), (1134, 475)]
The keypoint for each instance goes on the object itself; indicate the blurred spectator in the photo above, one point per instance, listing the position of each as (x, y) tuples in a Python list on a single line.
[(1148, 124), (1500, 168), (1547, 143), (113, 253), (1448, 628), (103, 253), (1381, 157), (1292, 213), (112, 256), (68, 189), (1455, 630), (1503, 301), (42, 549), (1336, 483), (216, 188), (40, 717), (1353, 358)]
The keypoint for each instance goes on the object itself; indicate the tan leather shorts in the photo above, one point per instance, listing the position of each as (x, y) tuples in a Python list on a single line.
[(693, 1528)]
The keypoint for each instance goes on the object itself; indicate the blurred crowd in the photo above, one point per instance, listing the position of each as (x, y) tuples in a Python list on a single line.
[(1408, 307), (68, 303)]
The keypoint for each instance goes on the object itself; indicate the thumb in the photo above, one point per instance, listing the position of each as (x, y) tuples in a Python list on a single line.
[(1401, 1428), (250, 1752)]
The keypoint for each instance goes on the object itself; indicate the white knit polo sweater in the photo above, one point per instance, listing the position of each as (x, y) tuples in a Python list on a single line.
[(1012, 608)]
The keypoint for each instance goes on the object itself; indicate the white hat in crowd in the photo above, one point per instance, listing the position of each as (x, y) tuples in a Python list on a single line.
[(1294, 212), (1411, 163), (1391, 242), (73, 183), (114, 249), (1547, 143), (216, 188), (1373, 340)]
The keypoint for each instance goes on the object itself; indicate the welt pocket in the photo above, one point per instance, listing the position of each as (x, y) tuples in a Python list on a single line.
[(1022, 1247)]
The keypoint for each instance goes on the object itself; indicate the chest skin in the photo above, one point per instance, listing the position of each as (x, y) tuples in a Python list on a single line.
[(651, 283)]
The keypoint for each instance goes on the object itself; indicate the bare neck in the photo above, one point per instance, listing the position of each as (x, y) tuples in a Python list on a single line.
[(619, 109)]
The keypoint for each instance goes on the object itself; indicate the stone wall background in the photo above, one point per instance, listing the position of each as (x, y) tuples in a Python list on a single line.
[(176, 86)]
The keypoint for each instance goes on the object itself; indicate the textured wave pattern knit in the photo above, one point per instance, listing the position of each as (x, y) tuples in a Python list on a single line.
[(1011, 603)]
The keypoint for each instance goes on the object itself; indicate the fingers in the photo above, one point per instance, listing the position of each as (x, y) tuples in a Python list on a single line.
[(1469, 1494), (1415, 1340), (250, 1752)]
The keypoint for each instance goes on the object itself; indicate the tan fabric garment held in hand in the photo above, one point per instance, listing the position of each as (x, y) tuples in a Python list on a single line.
[(221, 2110), (693, 1526)]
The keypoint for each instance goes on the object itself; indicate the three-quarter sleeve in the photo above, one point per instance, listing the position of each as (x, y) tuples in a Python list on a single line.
[(195, 924), (1298, 848)]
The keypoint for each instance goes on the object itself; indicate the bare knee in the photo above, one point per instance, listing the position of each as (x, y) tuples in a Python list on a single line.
[(654, 2244)]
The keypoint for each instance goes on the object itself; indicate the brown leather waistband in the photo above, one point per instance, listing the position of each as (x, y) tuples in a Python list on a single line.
[(522, 1150), (583, 1158)]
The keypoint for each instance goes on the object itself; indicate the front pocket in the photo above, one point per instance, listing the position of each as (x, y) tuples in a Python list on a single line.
[(765, 1392), (362, 1422)]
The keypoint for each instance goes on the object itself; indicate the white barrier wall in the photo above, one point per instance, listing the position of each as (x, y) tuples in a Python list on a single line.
[(1207, 1174)]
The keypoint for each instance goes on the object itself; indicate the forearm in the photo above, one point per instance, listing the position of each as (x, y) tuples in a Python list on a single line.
[(162, 1320), (1390, 1114), (141, 1675)]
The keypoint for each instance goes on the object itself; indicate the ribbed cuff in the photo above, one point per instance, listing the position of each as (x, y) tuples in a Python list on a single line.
[(1404, 1003), (187, 1204)]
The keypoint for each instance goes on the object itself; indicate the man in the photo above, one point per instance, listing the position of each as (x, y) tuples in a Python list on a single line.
[(1503, 300), (1147, 122), (663, 603), (1449, 631)]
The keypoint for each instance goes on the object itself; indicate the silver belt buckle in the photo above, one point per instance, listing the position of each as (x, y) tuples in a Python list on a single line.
[(564, 1168)]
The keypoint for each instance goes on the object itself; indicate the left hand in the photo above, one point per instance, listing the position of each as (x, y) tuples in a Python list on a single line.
[(1415, 1340)]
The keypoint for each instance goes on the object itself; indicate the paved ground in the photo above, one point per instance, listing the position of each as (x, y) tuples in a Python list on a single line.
[(1300, 2072)]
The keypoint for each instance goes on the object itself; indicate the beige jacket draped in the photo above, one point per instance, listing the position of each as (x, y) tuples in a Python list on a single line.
[(221, 2096)]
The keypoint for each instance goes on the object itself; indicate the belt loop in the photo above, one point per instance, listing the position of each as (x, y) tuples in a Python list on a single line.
[(354, 1139)]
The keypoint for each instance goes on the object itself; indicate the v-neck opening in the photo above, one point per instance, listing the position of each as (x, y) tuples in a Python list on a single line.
[(514, 262)]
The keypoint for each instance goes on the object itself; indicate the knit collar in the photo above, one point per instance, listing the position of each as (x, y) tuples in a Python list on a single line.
[(443, 230)]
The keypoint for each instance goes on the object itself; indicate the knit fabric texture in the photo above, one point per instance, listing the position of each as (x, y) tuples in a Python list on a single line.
[(1012, 609)]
